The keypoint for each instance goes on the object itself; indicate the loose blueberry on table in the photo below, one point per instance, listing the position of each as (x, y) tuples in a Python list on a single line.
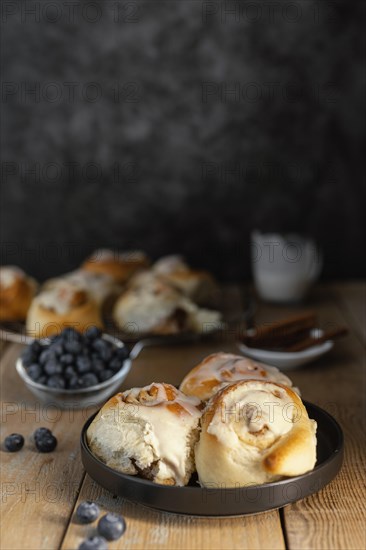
[(87, 511), (14, 442), (44, 440), (72, 360), (111, 526), (94, 543)]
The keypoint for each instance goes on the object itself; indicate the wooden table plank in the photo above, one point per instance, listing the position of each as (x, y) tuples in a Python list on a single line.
[(151, 529), (334, 517), (352, 299), (38, 490)]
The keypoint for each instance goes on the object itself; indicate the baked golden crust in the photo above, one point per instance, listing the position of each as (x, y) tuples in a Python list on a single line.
[(241, 444), (120, 266), (62, 306), (220, 369), (16, 297)]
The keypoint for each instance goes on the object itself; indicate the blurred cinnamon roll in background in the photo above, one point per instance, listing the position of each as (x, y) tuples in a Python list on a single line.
[(198, 285), (16, 293), (63, 304), (158, 308), (119, 265), (100, 286)]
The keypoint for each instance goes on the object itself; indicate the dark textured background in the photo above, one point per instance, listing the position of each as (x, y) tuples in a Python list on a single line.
[(201, 124)]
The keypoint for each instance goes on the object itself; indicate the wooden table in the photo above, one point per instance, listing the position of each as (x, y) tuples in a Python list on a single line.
[(40, 491)]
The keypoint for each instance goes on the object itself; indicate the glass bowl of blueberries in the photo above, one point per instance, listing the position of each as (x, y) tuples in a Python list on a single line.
[(74, 370)]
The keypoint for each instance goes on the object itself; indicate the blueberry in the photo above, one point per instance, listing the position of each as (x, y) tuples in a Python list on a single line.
[(57, 348), (87, 511), (89, 380), (28, 357), (70, 372), (14, 442), (42, 380), (94, 543), (41, 432), (73, 346), (111, 526), (34, 371), (70, 333), (98, 366), (121, 353), (115, 364), (93, 332), (74, 383), (35, 346), (105, 375), (53, 367), (83, 364), (56, 381), (66, 359), (46, 355), (104, 349), (46, 443)]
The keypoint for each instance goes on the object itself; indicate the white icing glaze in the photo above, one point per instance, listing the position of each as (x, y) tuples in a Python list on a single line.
[(167, 436), (149, 306), (146, 307), (9, 274), (253, 412), (59, 297), (227, 368), (170, 264)]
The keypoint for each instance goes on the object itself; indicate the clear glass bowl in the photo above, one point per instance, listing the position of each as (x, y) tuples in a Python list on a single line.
[(77, 399)]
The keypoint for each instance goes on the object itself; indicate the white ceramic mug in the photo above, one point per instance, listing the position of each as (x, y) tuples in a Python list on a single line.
[(284, 266)]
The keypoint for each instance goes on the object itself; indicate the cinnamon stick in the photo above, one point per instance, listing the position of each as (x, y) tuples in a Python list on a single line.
[(312, 341), (282, 332)]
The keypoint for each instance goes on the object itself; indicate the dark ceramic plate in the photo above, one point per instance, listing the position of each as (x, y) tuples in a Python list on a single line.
[(196, 501)]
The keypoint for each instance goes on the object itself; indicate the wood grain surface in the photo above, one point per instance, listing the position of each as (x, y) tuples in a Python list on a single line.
[(40, 492)]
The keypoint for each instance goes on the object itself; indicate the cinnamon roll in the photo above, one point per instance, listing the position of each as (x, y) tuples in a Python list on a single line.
[(254, 432), (100, 286), (198, 285), (220, 369), (119, 265), (64, 304), (16, 293), (148, 431), (157, 308)]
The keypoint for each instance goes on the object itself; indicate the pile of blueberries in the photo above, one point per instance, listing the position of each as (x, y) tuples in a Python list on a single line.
[(110, 526), (72, 360)]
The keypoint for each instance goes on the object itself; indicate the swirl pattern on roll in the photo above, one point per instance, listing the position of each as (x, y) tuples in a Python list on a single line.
[(254, 432)]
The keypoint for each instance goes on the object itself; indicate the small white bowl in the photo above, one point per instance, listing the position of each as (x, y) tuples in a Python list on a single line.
[(287, 360), (84, 397)]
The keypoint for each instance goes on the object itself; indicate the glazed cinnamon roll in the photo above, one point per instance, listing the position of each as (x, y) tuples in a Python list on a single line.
[(158, 308), (64, 304), (198, 285), (99, 286), (148, 431), (220, 369), (254, 432), (16, 293), (119, 265)]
